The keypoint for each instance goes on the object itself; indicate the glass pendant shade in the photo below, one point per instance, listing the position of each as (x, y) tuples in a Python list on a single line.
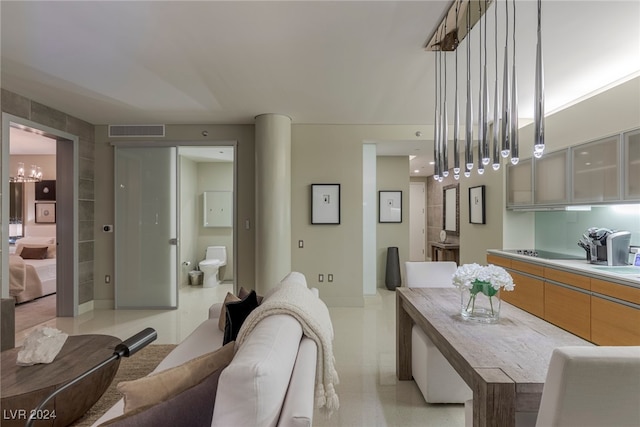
[(538, 114), (513, 119), (468, 142), (506, 105)]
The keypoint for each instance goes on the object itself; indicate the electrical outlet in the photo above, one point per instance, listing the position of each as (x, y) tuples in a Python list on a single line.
[(301, 243), (321, 277), (329, 277), (107, 278)]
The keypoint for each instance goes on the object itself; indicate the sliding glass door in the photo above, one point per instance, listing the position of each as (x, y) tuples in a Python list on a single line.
[(146, 228)]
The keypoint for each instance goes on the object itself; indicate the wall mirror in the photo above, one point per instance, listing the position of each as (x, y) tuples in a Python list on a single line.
[(451, 209)]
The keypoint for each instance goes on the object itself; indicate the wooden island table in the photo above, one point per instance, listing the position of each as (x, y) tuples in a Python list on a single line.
[(505, 364)]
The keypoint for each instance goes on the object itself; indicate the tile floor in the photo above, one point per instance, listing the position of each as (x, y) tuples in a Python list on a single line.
[(364, 348)]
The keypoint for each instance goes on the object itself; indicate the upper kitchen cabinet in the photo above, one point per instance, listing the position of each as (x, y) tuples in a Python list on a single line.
[(519, 184), (596, 171), (632, 165), (550, 177)]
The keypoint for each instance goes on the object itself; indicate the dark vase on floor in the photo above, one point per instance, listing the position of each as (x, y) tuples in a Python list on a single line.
[(392, 279)]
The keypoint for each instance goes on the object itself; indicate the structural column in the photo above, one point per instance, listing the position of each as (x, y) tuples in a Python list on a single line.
[(273, 200)]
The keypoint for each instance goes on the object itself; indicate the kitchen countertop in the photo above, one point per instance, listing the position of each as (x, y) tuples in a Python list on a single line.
[(602, 272)]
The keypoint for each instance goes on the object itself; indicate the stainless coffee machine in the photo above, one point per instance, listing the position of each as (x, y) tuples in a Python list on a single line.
[(606, 247)]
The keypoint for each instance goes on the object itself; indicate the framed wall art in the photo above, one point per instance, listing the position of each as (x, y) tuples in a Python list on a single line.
[(476, 205), (390, 206), (45, 213), (325, 203)]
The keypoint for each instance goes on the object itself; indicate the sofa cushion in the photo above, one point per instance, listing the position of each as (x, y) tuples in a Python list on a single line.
[(255, 382), (160, 386), (237, 312), (193, 407), (222, 320)]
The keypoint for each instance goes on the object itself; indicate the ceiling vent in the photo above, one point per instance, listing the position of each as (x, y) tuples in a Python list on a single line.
[(119, 131)]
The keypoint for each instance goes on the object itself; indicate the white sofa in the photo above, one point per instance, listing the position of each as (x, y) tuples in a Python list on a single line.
[(270, 380)]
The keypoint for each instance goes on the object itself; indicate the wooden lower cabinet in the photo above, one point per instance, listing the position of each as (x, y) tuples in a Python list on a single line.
[(613, 323), (568, 309), (528, 294)]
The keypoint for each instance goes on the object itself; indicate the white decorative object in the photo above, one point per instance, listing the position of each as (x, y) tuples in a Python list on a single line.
[(41, 346)]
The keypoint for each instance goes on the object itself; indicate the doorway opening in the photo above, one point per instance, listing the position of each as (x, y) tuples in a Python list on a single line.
[(40, 212)]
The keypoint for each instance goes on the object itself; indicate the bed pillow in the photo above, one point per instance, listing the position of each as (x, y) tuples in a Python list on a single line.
[(38, 240), (158, 387), (36, 252), (51, 247)]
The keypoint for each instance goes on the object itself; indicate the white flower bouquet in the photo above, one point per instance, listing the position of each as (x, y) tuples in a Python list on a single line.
[(475, 280)]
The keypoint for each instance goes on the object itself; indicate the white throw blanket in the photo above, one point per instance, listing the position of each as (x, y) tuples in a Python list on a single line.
[(299, 302)]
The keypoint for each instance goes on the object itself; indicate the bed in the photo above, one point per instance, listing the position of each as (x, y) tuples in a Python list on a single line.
[(32, 268)]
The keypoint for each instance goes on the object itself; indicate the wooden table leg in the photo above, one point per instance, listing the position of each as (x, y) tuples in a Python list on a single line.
[(494, 399), (404, 323)]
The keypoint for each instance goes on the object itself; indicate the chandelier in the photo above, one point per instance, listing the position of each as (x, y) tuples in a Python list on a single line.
[(34, 175), (499, 132)]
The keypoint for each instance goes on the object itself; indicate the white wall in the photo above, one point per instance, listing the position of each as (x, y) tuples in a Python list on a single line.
[(369, 215), (393, 175), (214, 176), (188, 217)]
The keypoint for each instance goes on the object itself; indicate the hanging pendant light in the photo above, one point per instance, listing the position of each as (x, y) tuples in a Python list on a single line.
[(496, 109), (515, 155), (469, 112), (485, 98), (456, 113), (505, 142), (444, 137), (538, 115), (436, 125), (481, 111)]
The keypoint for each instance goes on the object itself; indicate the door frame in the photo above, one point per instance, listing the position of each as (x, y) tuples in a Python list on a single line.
[(67, 211)]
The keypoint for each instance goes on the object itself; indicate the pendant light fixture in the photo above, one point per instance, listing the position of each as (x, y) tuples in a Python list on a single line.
[(436, 124), (506, 105), (480, 97), (485, 97), (456, 114), (469, 112), (515, 154), (34, 175), (444, 131), (496, 122), (538, 114)]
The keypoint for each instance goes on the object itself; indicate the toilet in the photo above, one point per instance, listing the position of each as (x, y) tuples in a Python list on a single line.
[(215, 257)]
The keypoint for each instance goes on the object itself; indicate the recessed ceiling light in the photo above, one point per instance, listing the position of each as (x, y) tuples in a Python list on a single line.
[(432, 163), (416, 170)]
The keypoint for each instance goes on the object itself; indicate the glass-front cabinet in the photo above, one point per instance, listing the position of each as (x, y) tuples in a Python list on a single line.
[(550, 172), (596, 171), (632, 165), (519, 184)]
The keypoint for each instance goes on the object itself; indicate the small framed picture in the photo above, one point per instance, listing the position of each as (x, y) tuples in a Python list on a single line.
[(325, 203), (45, 213), (476, 205), (390, 206)]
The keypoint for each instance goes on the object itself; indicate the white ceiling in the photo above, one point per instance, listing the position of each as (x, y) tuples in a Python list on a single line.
[(323, 62)]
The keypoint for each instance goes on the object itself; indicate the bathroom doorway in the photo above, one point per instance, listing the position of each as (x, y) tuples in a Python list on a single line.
[(207, 185)]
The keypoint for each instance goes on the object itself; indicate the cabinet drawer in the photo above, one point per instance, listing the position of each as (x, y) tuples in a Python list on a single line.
[(568, 309), (498, 260), (571, 279), (613, 323), (526, 267), (528, 294), (626, 293)]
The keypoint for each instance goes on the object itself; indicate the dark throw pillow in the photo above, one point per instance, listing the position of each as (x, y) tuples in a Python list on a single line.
[(34, 253), (242, 293), (237, 312)]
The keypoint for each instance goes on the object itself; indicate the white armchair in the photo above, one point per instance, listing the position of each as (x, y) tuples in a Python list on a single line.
[(434, 375), (592, 386)]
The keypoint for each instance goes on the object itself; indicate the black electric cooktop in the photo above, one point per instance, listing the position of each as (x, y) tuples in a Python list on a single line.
[(544, 254)]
